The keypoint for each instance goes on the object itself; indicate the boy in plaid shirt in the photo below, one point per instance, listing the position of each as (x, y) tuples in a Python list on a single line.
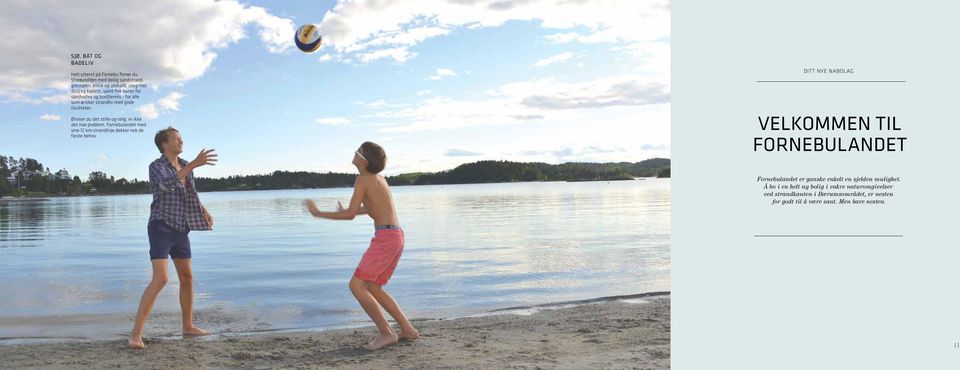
[(175, 210)]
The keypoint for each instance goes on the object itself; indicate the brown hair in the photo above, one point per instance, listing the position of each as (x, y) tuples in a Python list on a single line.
[(376, 157), (162, 137)]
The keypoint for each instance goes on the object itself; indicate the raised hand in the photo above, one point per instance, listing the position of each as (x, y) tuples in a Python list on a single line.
[(204, 158), (311, 206)]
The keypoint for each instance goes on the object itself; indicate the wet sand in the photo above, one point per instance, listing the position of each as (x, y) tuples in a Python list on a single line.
[(631, 332)]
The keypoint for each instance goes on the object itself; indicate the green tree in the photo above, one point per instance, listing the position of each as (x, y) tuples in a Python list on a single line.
[(99, 181), (76, 186)]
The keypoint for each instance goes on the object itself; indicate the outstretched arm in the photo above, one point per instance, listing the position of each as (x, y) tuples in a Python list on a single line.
[(361, 211), (206, 157), (166, 180), (359, 187)]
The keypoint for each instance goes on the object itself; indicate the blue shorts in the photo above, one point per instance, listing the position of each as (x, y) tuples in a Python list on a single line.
[(166, 241)]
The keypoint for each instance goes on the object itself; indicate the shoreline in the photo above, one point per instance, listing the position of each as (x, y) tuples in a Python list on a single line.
[(50, 196), (364, 322), (619, 331)]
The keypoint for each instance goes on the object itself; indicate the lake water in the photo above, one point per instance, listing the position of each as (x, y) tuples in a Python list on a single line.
[(76, 267)]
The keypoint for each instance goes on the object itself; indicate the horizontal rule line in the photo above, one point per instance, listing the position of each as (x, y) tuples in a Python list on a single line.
[(831, 81), (828, 235)]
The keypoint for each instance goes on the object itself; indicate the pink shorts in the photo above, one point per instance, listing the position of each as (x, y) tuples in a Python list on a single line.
[(381, 257)]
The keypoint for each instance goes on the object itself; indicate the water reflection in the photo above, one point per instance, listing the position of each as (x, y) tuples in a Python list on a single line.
[(21, 223), (469, 248)]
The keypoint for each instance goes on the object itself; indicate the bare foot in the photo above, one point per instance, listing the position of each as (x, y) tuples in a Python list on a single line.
[(135, 343), (409, 334), (382, 341), (194, 331)]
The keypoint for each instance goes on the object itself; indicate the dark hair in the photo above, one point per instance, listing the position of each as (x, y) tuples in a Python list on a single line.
[(376, 157), (162, 137)]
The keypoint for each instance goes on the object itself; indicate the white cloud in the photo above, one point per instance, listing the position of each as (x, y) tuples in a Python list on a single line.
[(589, 120), (376, 104), (562, 37), (651, 57), (169, 103), (21, 97), (600, 93), (165, 42), (50, 117), (442, 73), (454, 152), (653, 147), (408, 37), (534, 100), (380, 104), (367, 28), (580, 152), (275, 32), (559, 58), (148, 111), (527, 117), (333, 121), (398, 54)]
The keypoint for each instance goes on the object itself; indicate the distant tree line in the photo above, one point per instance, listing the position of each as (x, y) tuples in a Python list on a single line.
[(277, 180), (29, 177), (506, 171), (32, 178), (477, 172)]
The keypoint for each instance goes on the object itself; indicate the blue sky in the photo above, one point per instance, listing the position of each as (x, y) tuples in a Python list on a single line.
[(437, 84)]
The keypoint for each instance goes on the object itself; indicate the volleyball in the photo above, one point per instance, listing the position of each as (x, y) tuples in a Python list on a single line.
[(308, 38)]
